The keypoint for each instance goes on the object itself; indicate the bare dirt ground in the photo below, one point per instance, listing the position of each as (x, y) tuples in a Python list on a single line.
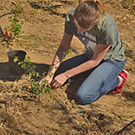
[(21, 113)]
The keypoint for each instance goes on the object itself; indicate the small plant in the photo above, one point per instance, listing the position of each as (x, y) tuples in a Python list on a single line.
[(15, 26), (30, 68)]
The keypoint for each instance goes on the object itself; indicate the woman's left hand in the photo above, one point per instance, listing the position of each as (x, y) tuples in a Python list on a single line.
[(58, 81)]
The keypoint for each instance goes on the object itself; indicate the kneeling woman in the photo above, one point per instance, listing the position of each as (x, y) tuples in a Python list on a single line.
[(104, 55)]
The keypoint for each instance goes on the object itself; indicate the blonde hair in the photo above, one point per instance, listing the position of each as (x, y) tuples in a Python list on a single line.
[(87, 12)]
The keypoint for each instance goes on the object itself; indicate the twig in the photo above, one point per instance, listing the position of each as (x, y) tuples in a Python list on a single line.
[(49, 6), (7, 13), (76, 121), (127, 128), (63, 107), (39, 96)]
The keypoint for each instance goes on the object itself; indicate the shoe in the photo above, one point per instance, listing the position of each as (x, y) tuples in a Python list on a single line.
[(119, 89)]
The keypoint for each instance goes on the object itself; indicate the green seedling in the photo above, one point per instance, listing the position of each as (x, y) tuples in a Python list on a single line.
[(30, 69), (15, 26)]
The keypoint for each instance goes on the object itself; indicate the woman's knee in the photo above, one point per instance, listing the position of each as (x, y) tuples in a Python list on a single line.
[(83, 98)]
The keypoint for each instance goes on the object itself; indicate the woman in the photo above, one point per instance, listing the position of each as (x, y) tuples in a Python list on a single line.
[(104, 55)]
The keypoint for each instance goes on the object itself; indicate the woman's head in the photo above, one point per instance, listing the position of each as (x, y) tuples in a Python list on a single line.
[(87, 13)]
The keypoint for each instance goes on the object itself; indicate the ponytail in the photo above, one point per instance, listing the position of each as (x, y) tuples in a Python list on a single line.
[(100, 5)]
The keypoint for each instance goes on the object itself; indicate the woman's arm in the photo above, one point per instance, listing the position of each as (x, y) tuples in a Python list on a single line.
[(99, 54), (63, 48)]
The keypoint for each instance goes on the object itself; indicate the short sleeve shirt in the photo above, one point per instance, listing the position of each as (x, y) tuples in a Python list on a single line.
[(106, 33)]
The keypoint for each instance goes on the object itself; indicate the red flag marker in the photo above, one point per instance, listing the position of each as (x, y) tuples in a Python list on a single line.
[(7, 33)]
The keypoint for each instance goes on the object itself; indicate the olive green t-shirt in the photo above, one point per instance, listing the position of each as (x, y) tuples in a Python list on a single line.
[(106, 33)]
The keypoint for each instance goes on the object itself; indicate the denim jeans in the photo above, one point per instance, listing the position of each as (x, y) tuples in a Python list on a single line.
[(100, 80)]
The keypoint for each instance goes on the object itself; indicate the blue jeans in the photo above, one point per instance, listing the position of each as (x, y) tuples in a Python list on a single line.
[(100, 80)]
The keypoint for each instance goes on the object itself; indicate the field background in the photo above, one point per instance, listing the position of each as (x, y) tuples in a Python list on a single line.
[(20, 111)]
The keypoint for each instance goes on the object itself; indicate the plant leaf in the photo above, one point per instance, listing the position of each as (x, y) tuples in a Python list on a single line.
[(15, 59)]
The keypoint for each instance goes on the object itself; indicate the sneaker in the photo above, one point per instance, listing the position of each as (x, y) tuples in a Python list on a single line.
[(119, 89)]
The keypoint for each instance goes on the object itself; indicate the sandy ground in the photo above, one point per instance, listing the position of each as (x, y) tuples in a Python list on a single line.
[(21, 113)]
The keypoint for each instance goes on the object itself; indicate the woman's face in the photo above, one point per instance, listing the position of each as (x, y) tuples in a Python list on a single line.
[(80, 29)]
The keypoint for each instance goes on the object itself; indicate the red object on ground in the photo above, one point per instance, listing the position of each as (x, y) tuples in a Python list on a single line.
[(7, 33)]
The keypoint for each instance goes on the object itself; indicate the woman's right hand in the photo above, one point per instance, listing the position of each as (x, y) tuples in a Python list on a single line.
[(48, 78)]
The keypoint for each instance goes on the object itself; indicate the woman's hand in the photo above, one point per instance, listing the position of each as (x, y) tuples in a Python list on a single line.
[(59, 80), (48, 78)]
